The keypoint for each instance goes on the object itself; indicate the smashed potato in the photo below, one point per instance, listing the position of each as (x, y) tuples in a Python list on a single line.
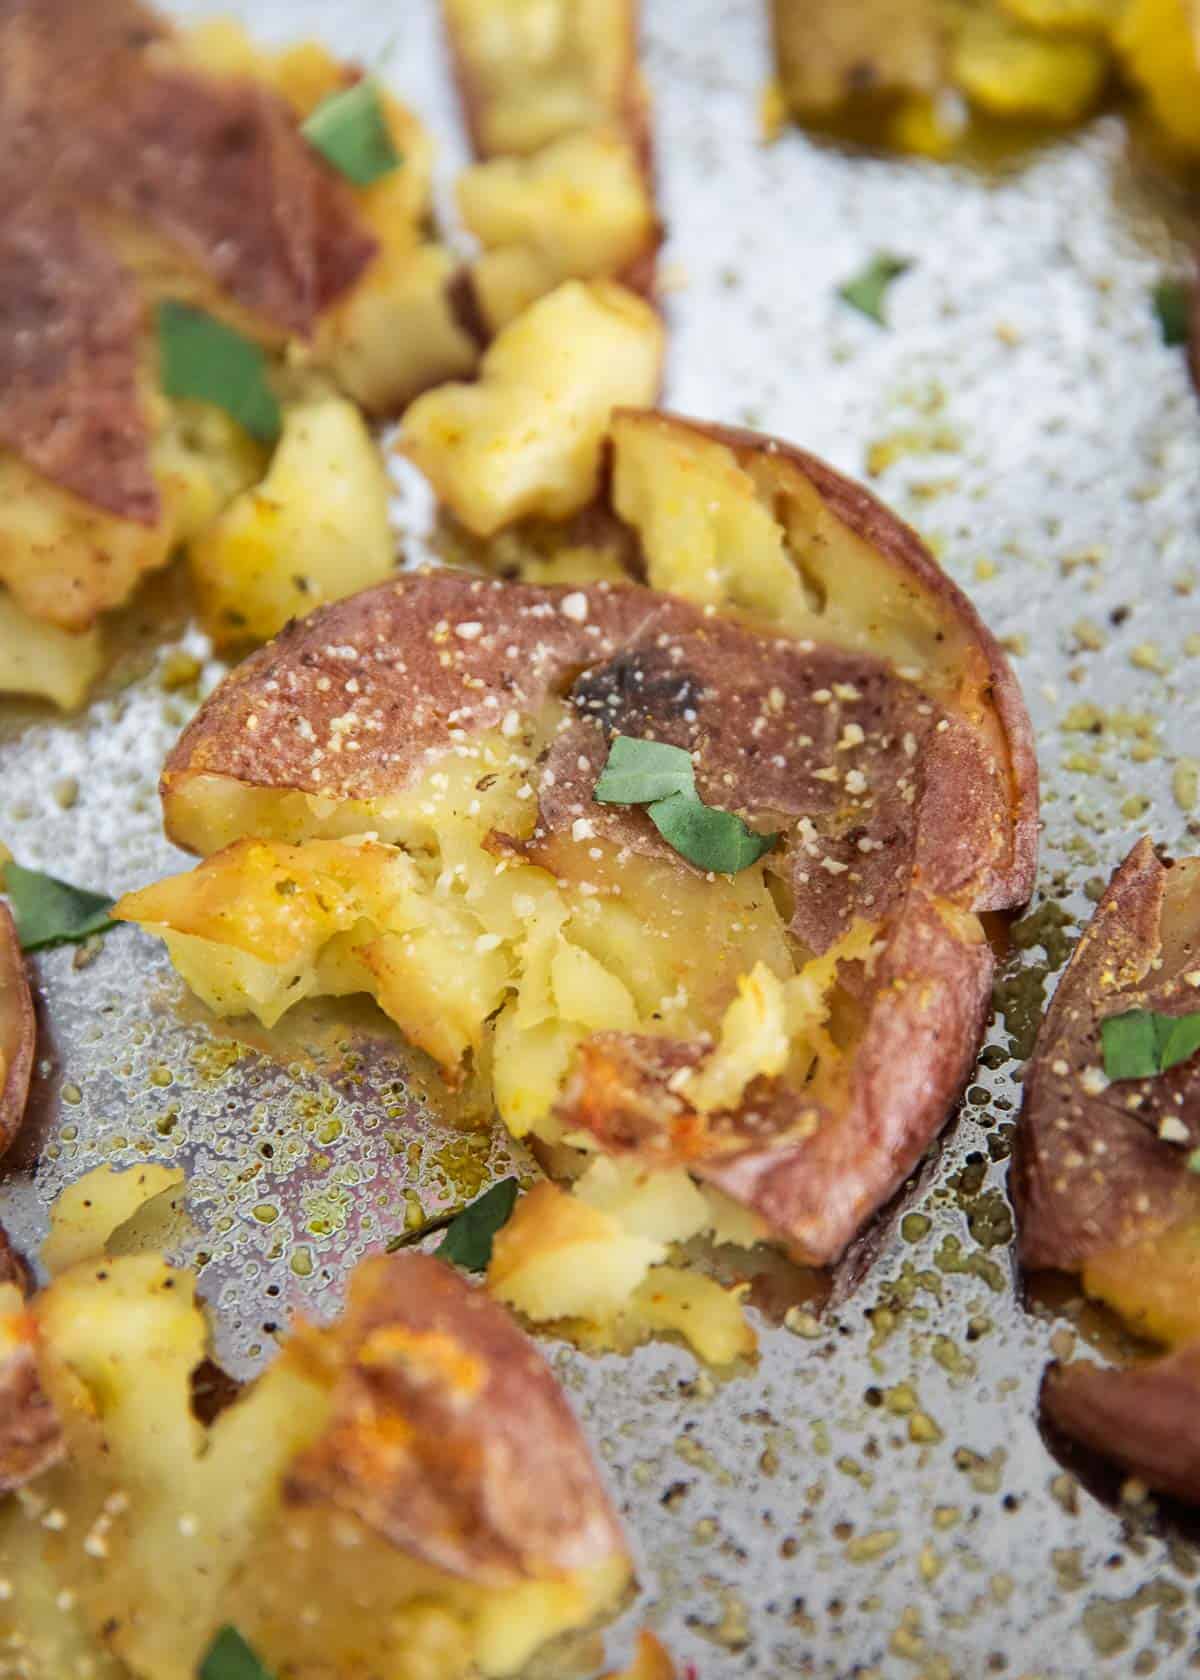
[(1102, 1173), (528, 437), (390, 1474), (790, 1035)]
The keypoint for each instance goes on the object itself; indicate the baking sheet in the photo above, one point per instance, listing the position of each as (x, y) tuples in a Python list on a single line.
[(874, 1498)]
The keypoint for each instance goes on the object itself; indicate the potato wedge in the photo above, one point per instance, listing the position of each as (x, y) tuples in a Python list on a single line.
[(411, 1476), (790, 1035)]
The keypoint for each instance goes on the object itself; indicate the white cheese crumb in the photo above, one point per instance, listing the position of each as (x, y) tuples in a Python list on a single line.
[(852, 736), (574, 606), (511, 724), (1172, 1130), (470, 631), (1060, 1068), (833, 866), (581, 829), (856, 782), (1093, 1081)]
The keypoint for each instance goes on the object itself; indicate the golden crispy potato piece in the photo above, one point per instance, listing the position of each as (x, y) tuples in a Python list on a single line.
[(527, 439), (1158, 43), (314, 529), (1013, 72), (42, 660), (529, 71), (829, 54), (411, 1475), (652, 1661), (580, 208)]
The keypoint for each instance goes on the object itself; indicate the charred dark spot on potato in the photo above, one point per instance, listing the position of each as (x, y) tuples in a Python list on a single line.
[(635, 692)]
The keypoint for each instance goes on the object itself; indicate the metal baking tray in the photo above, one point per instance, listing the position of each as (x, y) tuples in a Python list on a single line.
[(874, 1497)]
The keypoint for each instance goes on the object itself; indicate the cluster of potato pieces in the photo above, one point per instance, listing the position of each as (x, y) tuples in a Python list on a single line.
[(398, 796), (938, 77)]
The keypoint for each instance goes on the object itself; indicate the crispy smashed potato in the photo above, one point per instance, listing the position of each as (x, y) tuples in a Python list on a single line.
[(530, 71), (42, 660), (314, 529), (389, 1474), (1102, 1171), (398, 798), (528, 437), (579, 208), (928, 76)]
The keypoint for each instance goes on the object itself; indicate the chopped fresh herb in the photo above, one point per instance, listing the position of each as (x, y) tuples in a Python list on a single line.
[(1142, 1043), (48, 911), (1171, 303), (1193, 1161), (711, 839), (230, 1658), (201, 357), (418, 1233), (350, 131), (867, 290), (638, 772), (661, 777), (468, 1240)]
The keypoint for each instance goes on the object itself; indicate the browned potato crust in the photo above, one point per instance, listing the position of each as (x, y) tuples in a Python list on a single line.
[(1144, 1418), (491, 1479), (1091, 1171), (18, 1030), (886, 854)]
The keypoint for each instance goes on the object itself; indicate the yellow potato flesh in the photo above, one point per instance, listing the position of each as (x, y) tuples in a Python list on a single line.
[(579, 208), (1159, 44), (527, 438), (85, 1214), (314, 529), (537, 69), (166, 1529)]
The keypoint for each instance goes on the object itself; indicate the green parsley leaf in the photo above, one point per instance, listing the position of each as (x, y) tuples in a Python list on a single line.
[(1142, 1043), (48, 911), (350, 131), (639, 772), (866, 290), (230, 1658), (468, 1240), (201, 357), (1178, 1038), (711, 839), (1172, 299)]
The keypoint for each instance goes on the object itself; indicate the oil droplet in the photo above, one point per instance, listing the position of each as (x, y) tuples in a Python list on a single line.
[(302, 1262), (72, 1094), (266, 1213), (329, 1131), (69, 1133), (161, 1075)]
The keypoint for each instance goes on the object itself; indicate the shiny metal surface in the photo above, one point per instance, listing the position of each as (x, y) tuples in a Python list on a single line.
[(874, 1498)]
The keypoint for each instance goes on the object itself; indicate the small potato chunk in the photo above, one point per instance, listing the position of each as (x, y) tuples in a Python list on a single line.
[(531, 70), (1158, 42), (40, 659), (829, 53), (85, 1214), (1015, 73), (527, 439), (18, 1035), (315, 529), (559, 1258), (577, 209)]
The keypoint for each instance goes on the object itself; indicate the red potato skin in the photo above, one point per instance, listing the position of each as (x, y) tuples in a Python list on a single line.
[(1146, 1418), (96, 114), (18, 1031), (70, 324), (450, 1435), (1089, 1173), (966, 842)]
